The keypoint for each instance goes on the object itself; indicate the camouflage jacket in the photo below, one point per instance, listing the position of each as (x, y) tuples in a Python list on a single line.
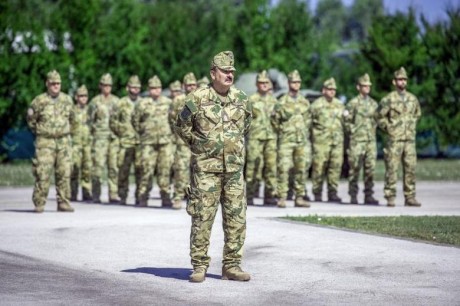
[(80, 130), (51, 118), (291, 118), (176, 106), (327, 121), (262, 107), (121, 121), (99, 110), (215, 130), (397, 116), (360, 123), (151, 120)]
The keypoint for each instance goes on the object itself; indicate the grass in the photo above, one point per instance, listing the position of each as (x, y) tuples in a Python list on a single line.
[(438, 229)]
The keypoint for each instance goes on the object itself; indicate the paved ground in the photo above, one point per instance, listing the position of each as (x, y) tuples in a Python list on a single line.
[(113, 255)]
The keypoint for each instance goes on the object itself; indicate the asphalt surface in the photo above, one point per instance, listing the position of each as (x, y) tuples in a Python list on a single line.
[(114, 255)]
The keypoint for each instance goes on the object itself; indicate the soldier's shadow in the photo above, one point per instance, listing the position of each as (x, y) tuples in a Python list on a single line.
[(177, 273)]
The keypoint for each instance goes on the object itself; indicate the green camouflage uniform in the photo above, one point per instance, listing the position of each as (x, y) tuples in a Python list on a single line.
[(81, 151), (327, 137), (51, 119), (214, 128), (397, 116)]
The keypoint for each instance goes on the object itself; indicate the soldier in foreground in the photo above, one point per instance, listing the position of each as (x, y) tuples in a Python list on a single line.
[(213, 123), (360, 125), (50, 117), (397, 116)]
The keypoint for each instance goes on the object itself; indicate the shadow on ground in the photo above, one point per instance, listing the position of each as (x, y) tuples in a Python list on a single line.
[(177, 273)]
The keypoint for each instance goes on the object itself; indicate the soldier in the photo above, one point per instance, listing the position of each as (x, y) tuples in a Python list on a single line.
[(50, 117), (81, 148), (121, 125), (203, 82), (327, 114), (261, 144), (397, 116), (175, 89), (291, 119), (360, 126), (181, 165), (213, 123), (105, 143), (150, 120)]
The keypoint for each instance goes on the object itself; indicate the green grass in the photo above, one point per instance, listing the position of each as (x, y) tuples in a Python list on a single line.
[(439, 229)]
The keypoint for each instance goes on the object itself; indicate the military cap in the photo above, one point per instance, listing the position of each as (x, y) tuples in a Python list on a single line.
[(106, 79), (53, 76), (82, 91), (175, 86), (330, 83), (154, 82), (401, 73), (224, 60), (263, 77), (294, 76), (134, 81), (365, 80), (189, 79), (204, 81)]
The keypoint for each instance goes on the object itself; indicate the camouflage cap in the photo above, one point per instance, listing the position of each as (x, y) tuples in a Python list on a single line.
[(189, 79), (263, 77), (134, 81), (154, 82), (53, 76), (106, 79), (204, 81), (330, 83), (294, 76), (175, 86), (400, 73), (82, 91), (224, 60), (365, 80)]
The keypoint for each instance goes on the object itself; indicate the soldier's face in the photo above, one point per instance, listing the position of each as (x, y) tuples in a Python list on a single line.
[(175, 93), (155, 92), (53, 87), (82, 99), (190, 87), (400, 84), (329, 93), (105, 89), (133, 91), (364, 89), (263, 87), (222, 78), (294, 85)]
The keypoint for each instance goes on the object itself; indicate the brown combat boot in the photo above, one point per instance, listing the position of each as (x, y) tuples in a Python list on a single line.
[(281, 203), (412, 202), (391, 202), (142, 203), (270, 201), (318, 197), (64, 207), (235, 273), (250, 201), (177, 204), (198, 275), (353, 199), (114, 200), (370, 200), (165, 199), (334, 198), (301, 202)]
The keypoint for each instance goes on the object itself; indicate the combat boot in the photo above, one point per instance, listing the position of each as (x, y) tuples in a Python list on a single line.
[(114, 200), (250, 201), (165, 199), (353, 199), (390, 202), (281, 203), (177, 204), (198, 275), (270, 201), (86, 198), (39, 209), (97, 201), (306, 197), (370, 200), (64, 207), (122, 201), (235, 273), (334, 198), (412, 202), (301, 202), (142, 203), (318, 197)]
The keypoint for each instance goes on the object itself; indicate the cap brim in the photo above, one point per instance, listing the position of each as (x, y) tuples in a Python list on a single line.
[(227, 68), (366, 83)]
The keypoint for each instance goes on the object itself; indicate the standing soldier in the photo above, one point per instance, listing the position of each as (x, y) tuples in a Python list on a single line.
[(261, 147), (203, 82), (291, 119), (81, 148), (50, 117), (327, 130), (397, 116), (181, 165), (175, 89), (213, 123), (121, 125), (105, 144), (151, 122)]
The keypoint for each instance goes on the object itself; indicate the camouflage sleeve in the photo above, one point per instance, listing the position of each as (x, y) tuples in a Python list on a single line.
[(307, 116), (72, 116), (184, 123), (418, 110), (349, 116), (136, 118), (248, 117), (381, 115), (32, 116), (90, 113), (114, 120)]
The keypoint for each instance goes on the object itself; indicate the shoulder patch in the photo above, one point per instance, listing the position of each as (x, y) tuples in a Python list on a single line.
[(185, 114), (191, 106)]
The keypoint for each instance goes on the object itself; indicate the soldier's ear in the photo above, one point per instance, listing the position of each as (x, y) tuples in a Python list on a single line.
[(394, 82), (212, 72), (358, 88)]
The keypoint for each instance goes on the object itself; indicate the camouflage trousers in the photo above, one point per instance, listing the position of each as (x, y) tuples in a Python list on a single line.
[(153, 157), (206, 192), (181, 169), (327, 161), (81, 171), (52, 154), (292, 155), (126, 159), (261, 164), (292, 172), (361, 154), (393, 153), (104, 155)]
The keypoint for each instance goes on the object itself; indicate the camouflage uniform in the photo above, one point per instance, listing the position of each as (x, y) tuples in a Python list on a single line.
[(214, 128), (81, 150), (328, 137), (203, 82), (150, 120), (291, 119), (397, 116), (50, 119), (121, 125), (105, 145)]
